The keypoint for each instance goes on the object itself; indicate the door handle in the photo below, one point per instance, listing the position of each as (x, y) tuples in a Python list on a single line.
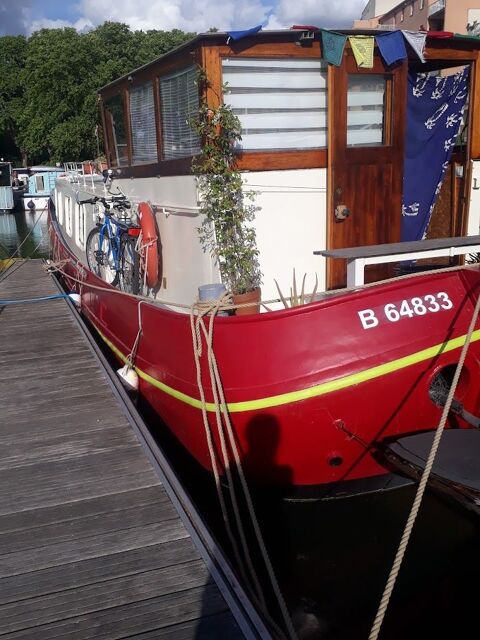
[(342, 212)]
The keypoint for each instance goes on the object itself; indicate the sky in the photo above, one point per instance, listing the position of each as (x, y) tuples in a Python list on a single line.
[(26, 16)]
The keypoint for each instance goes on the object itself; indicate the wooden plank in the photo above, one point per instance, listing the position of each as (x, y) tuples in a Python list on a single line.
[(91, 599), (91, 546), (139, 617), (29, 560), (399, 247), (75, 529), (111, 503), (40, 496), (44, 449), (93, 570), (220, 625)]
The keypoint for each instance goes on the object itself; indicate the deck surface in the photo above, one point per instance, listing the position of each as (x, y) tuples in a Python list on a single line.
[(90, 544)]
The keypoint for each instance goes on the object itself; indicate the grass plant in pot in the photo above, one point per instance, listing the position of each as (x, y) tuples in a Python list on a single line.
[(226, 232)]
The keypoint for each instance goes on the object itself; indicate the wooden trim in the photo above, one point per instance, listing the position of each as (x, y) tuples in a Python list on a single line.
[(278, 160), (474, 109), (336, 141), (211, 63), (178, 167), (106, 133), (158, 117), (127, 120), (268, 50)]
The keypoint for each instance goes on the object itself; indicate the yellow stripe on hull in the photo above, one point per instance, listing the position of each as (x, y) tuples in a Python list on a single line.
[(310, 392)]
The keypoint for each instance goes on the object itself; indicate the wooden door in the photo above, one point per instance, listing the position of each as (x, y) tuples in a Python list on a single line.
[(367, 110)]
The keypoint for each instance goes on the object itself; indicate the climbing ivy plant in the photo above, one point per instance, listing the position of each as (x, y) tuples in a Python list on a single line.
[(228, 209)]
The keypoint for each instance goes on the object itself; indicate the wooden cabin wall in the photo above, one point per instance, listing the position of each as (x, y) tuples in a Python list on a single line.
[(474, 108)]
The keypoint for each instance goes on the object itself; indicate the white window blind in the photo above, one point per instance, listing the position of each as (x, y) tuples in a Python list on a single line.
[(365, 110), (281, 103), (179, 103), (142, 118)]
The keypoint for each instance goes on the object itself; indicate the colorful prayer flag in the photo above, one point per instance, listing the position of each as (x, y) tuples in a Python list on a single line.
[(333, 45), (416, 39), (362, 47), (391, 46)]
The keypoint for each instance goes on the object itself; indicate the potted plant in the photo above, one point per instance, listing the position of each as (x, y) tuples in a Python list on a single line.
[(226, 232)]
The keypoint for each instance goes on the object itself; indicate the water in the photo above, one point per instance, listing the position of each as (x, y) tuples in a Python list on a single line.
[(27, 228)]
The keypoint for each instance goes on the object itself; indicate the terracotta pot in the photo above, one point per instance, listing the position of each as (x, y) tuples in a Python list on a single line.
[(249, 296)]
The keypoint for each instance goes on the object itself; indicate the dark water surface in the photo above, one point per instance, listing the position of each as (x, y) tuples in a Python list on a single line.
[(27, 228), (332, 558)]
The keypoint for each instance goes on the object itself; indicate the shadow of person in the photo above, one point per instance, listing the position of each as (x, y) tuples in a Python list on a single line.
[(259, 460)]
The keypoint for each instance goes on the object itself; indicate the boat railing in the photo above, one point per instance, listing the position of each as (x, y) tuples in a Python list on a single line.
[(81, 173), (359, 257), (176, 210)]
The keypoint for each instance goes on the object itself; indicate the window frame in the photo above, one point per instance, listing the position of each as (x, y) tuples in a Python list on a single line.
[(68, 215), (80, 215)]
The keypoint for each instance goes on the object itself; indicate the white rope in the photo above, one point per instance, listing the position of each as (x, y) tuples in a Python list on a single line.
[(130, 359), (422, 485), (223, 418)]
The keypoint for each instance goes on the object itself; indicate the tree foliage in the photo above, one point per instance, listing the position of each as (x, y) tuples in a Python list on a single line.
[(48, 85)]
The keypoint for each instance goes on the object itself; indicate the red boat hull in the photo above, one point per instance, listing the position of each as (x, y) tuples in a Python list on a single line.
[(311, 390)]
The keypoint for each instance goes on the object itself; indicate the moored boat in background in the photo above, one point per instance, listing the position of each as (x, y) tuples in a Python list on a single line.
[(6, 190)]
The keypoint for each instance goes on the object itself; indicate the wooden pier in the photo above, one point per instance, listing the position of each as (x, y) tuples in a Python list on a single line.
[(91, 544)]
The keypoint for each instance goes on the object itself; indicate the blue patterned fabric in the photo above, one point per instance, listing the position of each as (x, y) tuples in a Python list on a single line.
[(435, 107)]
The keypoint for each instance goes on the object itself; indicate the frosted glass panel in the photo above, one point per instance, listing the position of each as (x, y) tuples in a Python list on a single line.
[(281, 103), (365, 110), (142, 117), (179, 103)]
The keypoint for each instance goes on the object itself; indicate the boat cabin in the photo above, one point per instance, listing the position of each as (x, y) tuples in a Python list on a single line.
[(323, 146), (6, 190)]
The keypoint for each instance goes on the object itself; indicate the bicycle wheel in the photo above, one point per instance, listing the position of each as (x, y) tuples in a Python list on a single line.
[(131, 281), (100, 256)]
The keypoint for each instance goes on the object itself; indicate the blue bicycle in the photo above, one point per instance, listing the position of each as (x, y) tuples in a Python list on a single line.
[(111, 247)]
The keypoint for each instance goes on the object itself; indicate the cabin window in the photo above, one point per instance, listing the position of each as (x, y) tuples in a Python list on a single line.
[(142, 120), (179, 103), (422, 3), (80, 217), (401, 16), (39, 184), (59, 206), (281, 103), (411, 9), (68, 215), (365, 110), (115, 118)]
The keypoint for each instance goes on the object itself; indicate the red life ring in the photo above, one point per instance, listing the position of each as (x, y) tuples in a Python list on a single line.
[(149, 248)]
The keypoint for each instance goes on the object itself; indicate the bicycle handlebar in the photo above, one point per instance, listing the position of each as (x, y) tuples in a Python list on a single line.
[(117, 202)]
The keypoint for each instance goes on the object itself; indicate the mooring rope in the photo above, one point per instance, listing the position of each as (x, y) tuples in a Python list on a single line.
[(130, 359), (197, 349), (54, 296), (221, 410), (422, 485)]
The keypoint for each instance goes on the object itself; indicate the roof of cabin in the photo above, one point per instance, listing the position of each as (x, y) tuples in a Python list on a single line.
[(221, 38)]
